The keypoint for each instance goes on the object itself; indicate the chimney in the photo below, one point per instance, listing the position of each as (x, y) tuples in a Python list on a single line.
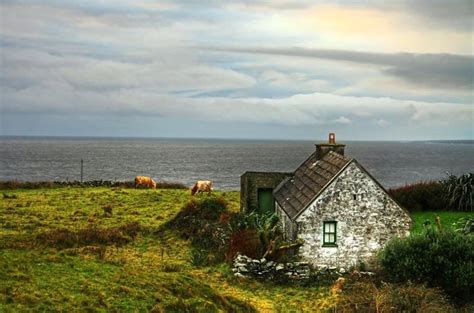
[(323, 148)]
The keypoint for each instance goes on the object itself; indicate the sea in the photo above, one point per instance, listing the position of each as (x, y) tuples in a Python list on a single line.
[(392, 163)]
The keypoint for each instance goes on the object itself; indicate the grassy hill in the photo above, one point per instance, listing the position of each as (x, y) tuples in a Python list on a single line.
[(98, 249), (140, 272)]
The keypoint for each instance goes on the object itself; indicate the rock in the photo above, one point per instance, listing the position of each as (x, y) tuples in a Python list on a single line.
[(240, 275), (279, 267)]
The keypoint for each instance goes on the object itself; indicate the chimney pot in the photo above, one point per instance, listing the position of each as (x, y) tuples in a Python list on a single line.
[(323, 148)]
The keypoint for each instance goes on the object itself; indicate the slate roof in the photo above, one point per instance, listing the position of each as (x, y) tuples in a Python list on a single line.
[(295, 193)]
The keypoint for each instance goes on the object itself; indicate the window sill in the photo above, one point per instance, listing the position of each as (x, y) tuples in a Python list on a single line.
[(329, 245)]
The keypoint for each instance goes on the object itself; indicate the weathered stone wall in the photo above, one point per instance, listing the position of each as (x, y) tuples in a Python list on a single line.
[(250, 182), (263, 269), (366, 219), (289, 227)]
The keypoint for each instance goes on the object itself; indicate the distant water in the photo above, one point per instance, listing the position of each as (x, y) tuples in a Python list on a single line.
[(223, 161)]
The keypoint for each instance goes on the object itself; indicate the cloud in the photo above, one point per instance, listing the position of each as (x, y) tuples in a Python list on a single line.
[(138, 60), (433, 70), (342, 120)]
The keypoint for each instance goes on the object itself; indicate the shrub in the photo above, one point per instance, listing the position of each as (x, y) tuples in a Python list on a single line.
[(438, 258), (9, 196), (200, 221), (458, 192), (260, 232), (367, 296), (64, 238), (15, 184), (199, 257), (246, 242), (465, 225), (423, 196)]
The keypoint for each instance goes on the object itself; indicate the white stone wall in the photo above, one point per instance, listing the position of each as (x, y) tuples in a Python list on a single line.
[(364, 224), (289, 227)]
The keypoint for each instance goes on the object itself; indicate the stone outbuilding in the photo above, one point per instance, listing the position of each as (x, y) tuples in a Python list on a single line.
[(337, 209), (256, 190)]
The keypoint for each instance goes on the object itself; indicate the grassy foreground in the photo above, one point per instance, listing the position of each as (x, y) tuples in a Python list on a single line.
[(98, 249), (41, 270)]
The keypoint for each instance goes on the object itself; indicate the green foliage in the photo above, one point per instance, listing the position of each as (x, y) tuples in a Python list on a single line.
[(423, 196), (9, 196), (438, 258), (199, 257), (199, 221), (458, 191), (246, 227), (465, 225)]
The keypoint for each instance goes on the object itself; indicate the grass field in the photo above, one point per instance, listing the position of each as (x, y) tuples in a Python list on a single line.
[(41, 270), (448, 219), (148, 272)]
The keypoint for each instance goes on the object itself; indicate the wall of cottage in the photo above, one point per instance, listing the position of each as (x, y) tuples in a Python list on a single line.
[(366, 219), (289, 227)]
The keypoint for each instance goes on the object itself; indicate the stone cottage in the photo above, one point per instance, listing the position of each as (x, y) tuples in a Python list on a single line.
[(339, 211)]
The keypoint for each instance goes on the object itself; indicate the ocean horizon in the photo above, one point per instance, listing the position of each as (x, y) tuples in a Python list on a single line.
[(57, 158)]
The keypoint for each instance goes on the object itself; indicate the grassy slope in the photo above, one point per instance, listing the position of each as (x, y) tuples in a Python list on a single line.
[(149, 272)]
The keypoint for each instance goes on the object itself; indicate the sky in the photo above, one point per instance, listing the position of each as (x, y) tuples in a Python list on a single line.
[(366, 70)]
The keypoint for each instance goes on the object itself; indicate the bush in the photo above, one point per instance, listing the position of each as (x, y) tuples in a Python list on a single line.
[(423, 196), (199, 257), (438, 258), (254, 234), (64, 238), (465, 225), (246, 242), (458, 192), (367, 296), (15, 184), (200, 221)]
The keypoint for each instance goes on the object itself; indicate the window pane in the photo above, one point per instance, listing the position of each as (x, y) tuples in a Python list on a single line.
[(326, 238), (331, 227), (326, 227), (331, 238)]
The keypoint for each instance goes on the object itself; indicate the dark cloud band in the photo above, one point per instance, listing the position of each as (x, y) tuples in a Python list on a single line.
[(447, 71)]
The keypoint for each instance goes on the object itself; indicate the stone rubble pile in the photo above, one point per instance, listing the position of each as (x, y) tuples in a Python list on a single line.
[(246, 267), (263, 269)]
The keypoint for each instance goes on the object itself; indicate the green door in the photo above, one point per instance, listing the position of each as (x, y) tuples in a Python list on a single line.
[(265, 200)]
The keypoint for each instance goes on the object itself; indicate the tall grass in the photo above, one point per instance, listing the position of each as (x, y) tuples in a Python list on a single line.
[(458, 192)]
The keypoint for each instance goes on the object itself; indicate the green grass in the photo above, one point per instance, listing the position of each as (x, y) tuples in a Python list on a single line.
[(149, 272), (447, 219), (146, 272)]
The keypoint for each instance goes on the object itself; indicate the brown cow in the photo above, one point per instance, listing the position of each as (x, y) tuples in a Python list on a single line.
[(145, 181), (202, 186)]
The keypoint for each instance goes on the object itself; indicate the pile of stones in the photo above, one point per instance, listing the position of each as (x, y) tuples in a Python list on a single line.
[(263, 269), (245, 267)]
